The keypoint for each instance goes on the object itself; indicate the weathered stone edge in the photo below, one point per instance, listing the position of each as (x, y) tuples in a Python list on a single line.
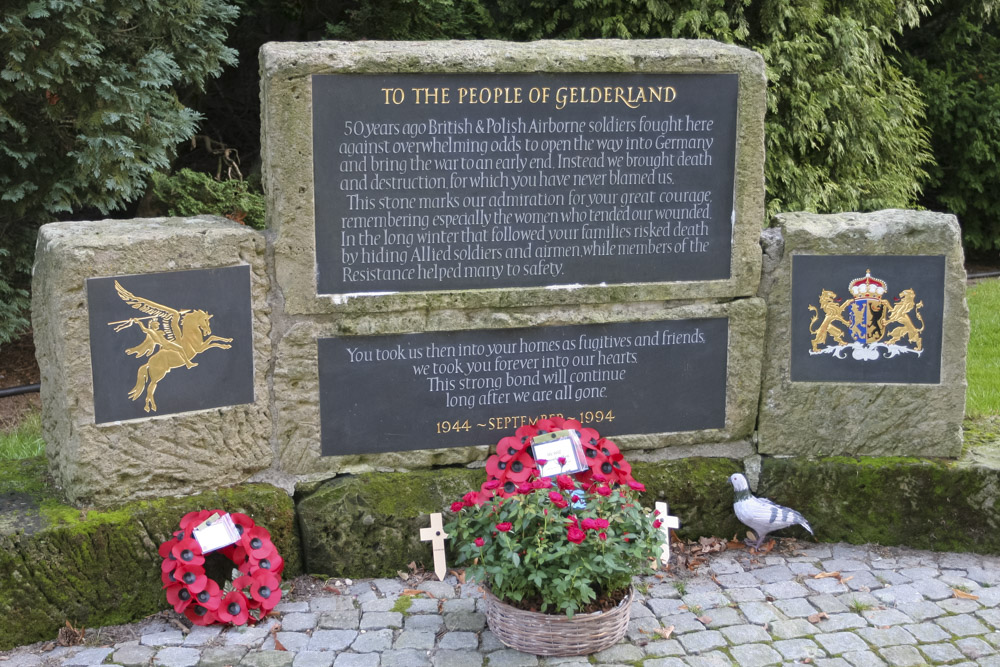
[(285, 69)]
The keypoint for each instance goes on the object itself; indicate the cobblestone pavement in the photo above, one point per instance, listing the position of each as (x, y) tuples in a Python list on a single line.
[(833, 605)]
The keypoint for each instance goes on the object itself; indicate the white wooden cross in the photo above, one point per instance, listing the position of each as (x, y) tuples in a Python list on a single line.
[(436, 536), (668, 523)]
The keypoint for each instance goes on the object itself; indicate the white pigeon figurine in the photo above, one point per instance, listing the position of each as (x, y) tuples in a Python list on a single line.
[(760, 514)]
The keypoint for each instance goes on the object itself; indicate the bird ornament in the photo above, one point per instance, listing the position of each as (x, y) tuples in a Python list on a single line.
[(761, 515)]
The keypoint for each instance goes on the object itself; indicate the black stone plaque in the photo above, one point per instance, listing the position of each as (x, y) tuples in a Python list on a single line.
[(458, 181), (163, 343), (874, 318), (442, 389)]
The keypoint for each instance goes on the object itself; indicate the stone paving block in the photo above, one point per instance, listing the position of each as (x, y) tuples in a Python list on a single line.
[(379, 604), (902, 656), (90, 656), (313, 659), (702, 641), (268, 659), (639, 610), (425, 622), (863, 659), (132, 654), (507, 658), (844, 565), (724, 616), (357, 660), (761, 612), (828, 603), (991, 616), (920, 573), (332, 603), (664, 662), (958, 605), (292, 641), (893, 636), (220, 656), (849, 552), (724, 566), (488, 642), (665, 647), (922, 610), (738, 580), (795, 607), (458, 641), (340, 620), (836, 643), (389, 587), (164, 638), (708, 600), (926, 633), (669, 592), (957, 579), (745, 634), (713, 659), (773, 574), (993, 638), (989, 597), (682, 623), (982, 576), (799, 649), (959, 561), (246, 636), (372, 641), (974, 647), (932, 589), (439, 589), (456, 659), (856, 599), (423, 606), (832, 662), (176, 656), (381, 619), (408, 658), (299, 622), (962, 625), (755, 655), (331, 640), (804, 569), (701, 584), (289, 607), (862, 581), (415, 639), (829, 585), (881, 617), (892, 578), (744, 594), (783, 590), (838, 622), (642, 628), (941, 652), (665, 607), (816, 551), (465, 620), (790, 629), (619, 653), (199, 635), (458, 605)]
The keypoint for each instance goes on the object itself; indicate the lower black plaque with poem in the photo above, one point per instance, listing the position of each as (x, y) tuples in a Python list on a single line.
[(443, 389)]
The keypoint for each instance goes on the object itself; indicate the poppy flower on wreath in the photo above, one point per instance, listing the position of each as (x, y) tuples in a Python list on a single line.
[(189, 590)]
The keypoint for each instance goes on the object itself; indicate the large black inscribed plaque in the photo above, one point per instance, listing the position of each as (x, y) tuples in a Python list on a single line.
[(867, 318), (442, 389), (162, 343), (458, 181)]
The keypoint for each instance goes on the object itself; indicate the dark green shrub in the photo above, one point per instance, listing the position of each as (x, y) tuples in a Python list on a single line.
[(90, 106), (955, 59), (193, 192)]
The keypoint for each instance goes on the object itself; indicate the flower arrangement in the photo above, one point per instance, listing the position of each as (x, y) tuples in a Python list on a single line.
[(250, 596), (563, 546)]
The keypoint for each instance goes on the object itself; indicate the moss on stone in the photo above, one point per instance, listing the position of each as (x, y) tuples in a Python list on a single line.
[(922, 503), (59, 563), (696, 490), (369, 525)]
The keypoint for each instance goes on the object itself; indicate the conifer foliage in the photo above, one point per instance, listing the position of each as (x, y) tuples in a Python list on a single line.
[(90, 106)]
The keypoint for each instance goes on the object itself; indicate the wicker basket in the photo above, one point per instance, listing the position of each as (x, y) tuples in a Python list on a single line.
[(551, 634)]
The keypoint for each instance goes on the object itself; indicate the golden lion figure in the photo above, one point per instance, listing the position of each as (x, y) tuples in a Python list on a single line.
[(832, 313), (900, 315)]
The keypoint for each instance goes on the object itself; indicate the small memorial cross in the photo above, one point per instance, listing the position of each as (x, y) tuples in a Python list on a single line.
[(436, 536), (668, 523)]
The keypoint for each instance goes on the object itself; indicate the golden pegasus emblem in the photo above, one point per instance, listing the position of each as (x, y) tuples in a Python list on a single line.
[(173, 339)]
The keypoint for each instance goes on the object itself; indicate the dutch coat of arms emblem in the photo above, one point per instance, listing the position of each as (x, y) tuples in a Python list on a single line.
[(867, 324)]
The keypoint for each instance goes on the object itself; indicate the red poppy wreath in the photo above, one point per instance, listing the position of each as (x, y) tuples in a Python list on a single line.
[(250, 596)]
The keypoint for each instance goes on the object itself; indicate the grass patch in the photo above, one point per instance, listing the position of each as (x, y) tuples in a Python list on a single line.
[(24, 440), (983, 366), (402, 604)]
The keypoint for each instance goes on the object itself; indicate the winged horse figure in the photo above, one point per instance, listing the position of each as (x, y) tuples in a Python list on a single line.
[(173, 339)]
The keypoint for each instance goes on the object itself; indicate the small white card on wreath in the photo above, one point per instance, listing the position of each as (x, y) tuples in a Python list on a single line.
[(216, 532), (561, 451)]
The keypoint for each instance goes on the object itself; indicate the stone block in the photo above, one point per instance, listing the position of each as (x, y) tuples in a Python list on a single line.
[(187, 452), (804, 414), (287, 94)]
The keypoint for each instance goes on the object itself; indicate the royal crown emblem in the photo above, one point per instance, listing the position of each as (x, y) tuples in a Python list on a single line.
[(868, 324)]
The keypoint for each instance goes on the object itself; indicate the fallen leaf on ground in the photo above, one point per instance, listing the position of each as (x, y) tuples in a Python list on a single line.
[(665, 632), (414, 591), (460, 575), (844, 580), (816, 618), (705, 620), (825, 575), (278, 646), (332, 589), (963, 595)]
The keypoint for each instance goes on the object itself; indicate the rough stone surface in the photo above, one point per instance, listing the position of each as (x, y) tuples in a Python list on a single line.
[(99, 465), (286, 70), (830, 418)]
